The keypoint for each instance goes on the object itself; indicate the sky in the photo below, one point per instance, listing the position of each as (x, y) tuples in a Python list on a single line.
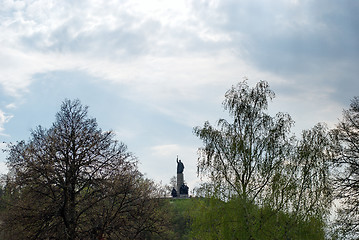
[(152, 70)]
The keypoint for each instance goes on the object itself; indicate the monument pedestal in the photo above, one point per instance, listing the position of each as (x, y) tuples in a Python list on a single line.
[(180, 181), (182, 189)]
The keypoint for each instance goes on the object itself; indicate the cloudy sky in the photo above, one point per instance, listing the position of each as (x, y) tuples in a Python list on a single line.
[(152, 70)]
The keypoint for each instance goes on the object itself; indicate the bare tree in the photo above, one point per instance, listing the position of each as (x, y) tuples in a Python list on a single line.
[(74, 181), (347, 168)]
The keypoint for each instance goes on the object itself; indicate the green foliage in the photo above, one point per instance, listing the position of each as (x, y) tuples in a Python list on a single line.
[(311, 163), (181, 216), (240, 219), (212, 219), (178, 212), (242, 155), (263, 182)]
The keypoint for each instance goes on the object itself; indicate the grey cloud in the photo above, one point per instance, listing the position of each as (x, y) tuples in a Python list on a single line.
[(318, 39), (277, 36), (312, 44), (288, 38), (100, 41), (80, 28)]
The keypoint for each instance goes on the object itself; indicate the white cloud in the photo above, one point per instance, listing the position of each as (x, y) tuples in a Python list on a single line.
[(159, 48), (4, 118), (40, 36), (11, 106), (155, 47)]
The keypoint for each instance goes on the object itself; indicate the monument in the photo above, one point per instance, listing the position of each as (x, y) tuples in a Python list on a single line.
[(182, 189)]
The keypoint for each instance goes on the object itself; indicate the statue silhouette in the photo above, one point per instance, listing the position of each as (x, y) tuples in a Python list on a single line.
[(180, 166), (184, 189)]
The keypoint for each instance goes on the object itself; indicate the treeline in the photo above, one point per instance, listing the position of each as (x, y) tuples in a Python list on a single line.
[(266, 183), (74, 181)]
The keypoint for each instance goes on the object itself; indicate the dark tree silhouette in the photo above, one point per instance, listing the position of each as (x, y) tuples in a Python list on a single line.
[(74, 181), (347, 163)]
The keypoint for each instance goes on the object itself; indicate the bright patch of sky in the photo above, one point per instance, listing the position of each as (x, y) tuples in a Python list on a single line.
[(152, 70)]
